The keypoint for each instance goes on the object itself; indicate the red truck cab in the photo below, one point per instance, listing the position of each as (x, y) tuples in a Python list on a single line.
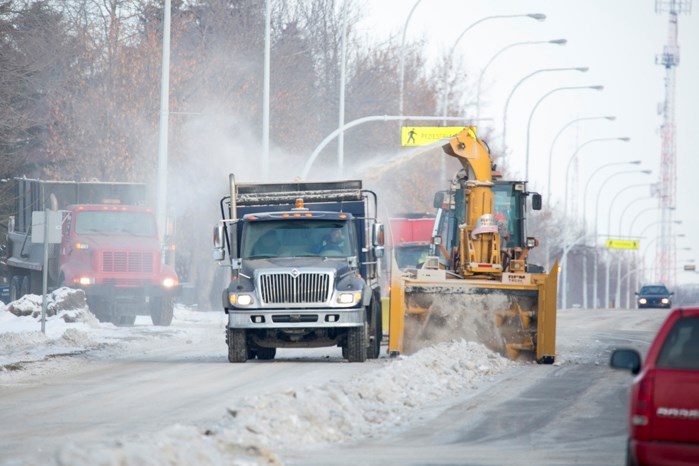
[(113, 252), (108, 246), (664, 397)]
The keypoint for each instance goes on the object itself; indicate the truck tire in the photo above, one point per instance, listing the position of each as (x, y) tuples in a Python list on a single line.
[(237, 345), (266, 354), (15, 288), (375, 331), (123, 321), (100, 308), (357, 344), (25, 286), (161, 311)]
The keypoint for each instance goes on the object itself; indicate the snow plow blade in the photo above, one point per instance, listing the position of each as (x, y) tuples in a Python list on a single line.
[(514, 315)]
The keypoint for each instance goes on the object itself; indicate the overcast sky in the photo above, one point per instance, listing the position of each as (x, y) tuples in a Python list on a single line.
[(618, 41)]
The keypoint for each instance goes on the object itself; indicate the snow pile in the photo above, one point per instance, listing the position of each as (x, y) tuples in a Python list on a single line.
[(62, 299), (68, 328), (381, 398), (386, 397)]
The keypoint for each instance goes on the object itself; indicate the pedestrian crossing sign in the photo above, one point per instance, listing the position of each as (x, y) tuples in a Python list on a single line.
[(623, 244), (411, 136)]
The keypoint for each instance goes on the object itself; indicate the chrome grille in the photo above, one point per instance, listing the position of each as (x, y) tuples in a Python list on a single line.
[(283, 288), (131, 262)]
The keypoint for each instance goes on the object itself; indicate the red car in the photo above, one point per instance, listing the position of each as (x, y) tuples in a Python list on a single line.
[(664, 398)]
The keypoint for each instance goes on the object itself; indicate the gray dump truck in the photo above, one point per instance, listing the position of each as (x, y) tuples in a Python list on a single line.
[(304, 270)]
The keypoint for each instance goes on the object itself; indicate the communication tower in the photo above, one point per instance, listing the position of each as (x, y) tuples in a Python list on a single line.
[(665, 269)]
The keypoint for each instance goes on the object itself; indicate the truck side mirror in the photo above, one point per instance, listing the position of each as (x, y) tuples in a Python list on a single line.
[(438, 200), (536, 201), (219, 252), (377, 239)]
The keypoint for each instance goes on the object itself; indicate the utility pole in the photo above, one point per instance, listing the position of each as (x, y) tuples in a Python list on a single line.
[(668, 59)]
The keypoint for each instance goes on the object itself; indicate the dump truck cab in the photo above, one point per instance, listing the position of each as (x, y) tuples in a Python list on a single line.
[(304, 269)]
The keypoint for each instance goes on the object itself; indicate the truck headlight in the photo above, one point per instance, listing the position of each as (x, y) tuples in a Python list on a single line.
[(84, 281), (169, 282), (349, 297), (240, 299)]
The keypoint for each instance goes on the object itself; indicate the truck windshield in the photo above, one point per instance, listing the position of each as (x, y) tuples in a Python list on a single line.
[(115, 222), (297, 238)]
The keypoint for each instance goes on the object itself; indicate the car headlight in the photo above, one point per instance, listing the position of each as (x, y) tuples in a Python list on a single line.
[(642, 300), (349, 297), (665, 300), (169, 282), (240, 299)]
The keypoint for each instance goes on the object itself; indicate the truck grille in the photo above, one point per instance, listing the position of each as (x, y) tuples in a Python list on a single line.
[(283, 288), (128, 262)]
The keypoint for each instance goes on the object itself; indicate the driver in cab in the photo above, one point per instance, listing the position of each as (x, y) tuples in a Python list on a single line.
[(334, 242)]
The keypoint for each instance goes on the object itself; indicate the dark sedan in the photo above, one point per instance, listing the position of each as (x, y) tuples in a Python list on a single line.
[(654, 296)]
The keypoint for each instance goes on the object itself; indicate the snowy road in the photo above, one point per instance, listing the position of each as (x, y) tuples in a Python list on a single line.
[(153, 388)]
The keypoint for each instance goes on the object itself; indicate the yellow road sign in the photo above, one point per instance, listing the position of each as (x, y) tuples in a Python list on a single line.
[(623, 244), (423, 135)]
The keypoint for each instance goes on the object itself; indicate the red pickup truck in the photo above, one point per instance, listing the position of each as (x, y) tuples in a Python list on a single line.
[(664, 398)]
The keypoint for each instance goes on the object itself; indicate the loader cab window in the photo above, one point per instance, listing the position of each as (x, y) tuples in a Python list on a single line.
[(508, 214)]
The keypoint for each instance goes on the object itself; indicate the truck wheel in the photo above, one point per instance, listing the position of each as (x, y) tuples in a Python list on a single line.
[(15, 288), (266, 354), (161, 311), (376, 332), (25, 286), (237, 346), (123, 321), (99, 308), (357, 344)]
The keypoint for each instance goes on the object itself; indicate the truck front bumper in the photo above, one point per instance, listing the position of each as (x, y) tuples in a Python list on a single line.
[(295, 318)]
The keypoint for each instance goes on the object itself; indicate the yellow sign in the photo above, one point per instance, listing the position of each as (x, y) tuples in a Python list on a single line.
[(423, 135), (623, 244)]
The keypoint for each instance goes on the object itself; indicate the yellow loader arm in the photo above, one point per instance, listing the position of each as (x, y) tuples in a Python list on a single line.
[(479, 242)]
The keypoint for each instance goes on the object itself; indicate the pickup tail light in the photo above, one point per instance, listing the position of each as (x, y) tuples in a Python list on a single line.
[(642, 408)]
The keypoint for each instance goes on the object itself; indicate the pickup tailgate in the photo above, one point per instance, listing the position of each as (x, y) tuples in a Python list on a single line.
[(676, 406)]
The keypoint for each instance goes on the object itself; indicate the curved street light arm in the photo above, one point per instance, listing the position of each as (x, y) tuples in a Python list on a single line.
[(555, 139), (500, 52), (596, 87), (359, 121), (402, 57)]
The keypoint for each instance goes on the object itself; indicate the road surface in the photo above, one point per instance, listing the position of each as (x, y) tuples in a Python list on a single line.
[(572, 412)]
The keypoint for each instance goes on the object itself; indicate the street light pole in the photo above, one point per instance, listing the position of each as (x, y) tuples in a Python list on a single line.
[(529, 122), (609, 232), (565, 236), (570, 123), (402, 58), (582, 69), (163, 131), (445, 94), (617, 295), (497, 54), (599, 192), (266, 91), (573, 157), (592, 177)]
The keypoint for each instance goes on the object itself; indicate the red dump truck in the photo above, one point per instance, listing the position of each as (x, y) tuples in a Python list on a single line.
[(410, 237), (109, 247)]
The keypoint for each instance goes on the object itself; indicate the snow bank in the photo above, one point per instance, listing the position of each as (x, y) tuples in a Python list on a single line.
[(333, 413)]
